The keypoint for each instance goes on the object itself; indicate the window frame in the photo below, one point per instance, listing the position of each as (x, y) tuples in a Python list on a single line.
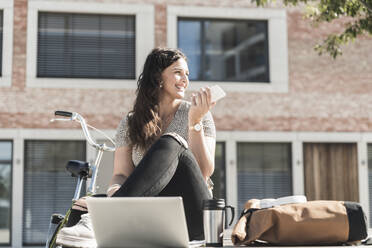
[(11, 193), (277, 33), (7, 49), (366, 186), (144, 41), (204, 56), (364, 173)]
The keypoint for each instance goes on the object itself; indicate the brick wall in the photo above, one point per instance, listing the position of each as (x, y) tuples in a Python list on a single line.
[(324, 94)]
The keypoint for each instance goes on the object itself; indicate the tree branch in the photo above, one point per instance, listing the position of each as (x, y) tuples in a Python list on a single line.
[(369, 8)]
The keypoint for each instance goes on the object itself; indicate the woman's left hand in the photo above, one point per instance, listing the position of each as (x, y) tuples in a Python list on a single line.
[(200, 105)]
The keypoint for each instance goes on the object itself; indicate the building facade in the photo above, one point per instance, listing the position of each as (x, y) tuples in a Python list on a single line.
[(292, 122)]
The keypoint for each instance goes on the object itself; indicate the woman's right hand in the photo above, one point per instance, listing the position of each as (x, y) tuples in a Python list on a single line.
[(200, 104), (112, 189)]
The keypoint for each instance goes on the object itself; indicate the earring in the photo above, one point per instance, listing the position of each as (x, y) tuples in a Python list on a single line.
[(161, 84)]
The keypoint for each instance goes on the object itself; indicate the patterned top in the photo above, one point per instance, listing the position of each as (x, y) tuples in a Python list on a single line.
[(179, 125)]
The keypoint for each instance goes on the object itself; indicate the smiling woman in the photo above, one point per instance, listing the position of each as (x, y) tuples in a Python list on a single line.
[(165, 146), (157, 95)]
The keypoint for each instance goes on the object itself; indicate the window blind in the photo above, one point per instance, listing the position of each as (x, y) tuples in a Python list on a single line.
[(264, 171), (86, 46), (48, 188)]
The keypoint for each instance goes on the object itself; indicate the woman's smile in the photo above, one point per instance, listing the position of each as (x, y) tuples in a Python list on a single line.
[(180, 87)]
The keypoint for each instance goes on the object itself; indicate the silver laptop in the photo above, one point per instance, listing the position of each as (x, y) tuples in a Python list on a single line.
[(139, 222)]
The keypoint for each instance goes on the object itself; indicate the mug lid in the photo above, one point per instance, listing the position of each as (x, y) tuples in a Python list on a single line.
[(213, 204)]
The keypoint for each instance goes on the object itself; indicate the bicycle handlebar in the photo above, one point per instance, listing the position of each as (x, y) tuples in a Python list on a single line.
[(77, 117), (63, 113)]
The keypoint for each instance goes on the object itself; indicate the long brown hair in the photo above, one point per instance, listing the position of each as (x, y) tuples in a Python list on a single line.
[(144, 123)]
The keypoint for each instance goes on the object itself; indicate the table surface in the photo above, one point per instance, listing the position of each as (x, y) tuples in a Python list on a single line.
[(228, 243)]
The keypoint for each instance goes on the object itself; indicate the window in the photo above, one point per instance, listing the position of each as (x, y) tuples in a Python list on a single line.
[(48, 188), (225, 50), (6, 42), (219, 174), (71, 44), (263, 171), (370, 181), (1, 39), (86, 46), (325, 165), (241, 49), (5, 190)]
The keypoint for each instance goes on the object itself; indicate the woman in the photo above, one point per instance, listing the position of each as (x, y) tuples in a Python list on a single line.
[(165, 146)]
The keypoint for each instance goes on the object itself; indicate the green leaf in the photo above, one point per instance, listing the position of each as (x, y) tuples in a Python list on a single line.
[(319, 11)]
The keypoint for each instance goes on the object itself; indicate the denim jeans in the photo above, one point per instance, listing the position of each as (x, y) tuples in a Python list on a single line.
[(170, 169)]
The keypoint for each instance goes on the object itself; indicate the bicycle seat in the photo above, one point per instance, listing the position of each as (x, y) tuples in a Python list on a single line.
[(78, 168)]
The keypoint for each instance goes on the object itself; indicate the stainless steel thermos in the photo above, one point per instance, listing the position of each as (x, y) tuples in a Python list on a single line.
[(214, 215)]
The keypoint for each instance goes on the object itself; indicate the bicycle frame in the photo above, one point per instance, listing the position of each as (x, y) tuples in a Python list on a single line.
[(93, 169)]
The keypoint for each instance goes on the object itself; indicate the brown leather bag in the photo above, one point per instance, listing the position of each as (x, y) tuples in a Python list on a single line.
[(313, 222)]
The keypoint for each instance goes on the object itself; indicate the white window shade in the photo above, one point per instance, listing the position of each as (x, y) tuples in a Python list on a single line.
[(86, 46), (48, 187), (263, 171)]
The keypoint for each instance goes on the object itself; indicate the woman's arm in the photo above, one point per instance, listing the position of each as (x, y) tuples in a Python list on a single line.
[(202, 147), (123, 167)]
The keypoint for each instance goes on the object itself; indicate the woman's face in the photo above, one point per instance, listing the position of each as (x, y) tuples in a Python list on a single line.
[(175, 79)]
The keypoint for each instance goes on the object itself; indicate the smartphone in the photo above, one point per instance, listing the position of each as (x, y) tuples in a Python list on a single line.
[(217, 93)]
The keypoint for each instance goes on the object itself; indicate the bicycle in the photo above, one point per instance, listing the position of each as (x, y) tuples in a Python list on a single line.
[(80, 169)]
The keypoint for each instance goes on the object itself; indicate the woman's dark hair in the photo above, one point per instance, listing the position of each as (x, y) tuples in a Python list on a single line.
[(144, 123)]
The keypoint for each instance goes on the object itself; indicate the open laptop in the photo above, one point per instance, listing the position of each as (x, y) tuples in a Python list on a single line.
[(139, 222)]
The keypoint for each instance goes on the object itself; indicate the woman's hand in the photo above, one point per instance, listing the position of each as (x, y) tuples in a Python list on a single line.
[(200, 105), (112, 189)]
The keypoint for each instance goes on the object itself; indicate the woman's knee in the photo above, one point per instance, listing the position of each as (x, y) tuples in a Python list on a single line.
[(165, 147), (175, 136), (187, 162)]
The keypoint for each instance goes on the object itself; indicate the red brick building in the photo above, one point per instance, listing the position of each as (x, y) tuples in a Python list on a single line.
[(293, 122)]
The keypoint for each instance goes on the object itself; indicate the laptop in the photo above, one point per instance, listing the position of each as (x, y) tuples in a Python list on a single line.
[(139, 222)]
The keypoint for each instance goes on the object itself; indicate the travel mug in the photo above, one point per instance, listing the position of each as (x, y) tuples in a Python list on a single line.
[(214, 215)]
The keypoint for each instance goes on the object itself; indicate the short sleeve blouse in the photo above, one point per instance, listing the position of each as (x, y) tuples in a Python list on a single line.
[(179, 125)]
